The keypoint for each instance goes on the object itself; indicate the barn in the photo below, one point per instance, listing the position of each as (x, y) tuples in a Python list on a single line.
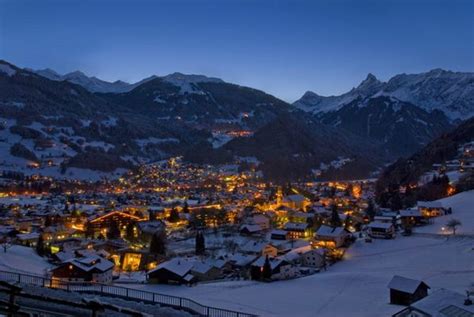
[(405, 291)]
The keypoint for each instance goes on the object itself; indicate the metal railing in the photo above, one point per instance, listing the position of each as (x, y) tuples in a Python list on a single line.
[(181, 303)]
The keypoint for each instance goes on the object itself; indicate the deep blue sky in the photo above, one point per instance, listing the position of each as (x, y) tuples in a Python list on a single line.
[(282, 47)]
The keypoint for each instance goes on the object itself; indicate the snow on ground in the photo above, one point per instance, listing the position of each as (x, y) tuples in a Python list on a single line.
[(462, 205), (23, 260), (355, 287)]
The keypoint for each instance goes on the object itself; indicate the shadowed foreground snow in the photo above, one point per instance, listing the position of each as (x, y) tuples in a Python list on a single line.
[(355, 287)]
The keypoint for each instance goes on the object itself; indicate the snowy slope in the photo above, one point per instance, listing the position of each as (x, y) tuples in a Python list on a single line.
[(24, 260), (354, 287), (462, 205)]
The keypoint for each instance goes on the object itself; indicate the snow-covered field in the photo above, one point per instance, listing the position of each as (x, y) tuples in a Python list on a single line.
[(356, 286), (463, 210)]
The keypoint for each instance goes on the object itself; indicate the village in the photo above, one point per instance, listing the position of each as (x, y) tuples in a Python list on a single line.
[(176, 223)]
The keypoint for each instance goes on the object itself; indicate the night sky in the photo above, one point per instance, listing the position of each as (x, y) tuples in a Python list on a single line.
[(282, 47)]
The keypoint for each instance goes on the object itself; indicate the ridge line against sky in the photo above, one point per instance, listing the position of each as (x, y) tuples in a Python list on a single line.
[(281, 47)]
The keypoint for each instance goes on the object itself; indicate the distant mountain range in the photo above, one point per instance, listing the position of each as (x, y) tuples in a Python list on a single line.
[(80, 122), (450, 92)]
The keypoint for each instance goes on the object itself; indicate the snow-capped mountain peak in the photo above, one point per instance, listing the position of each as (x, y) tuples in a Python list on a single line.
[(438, 89)]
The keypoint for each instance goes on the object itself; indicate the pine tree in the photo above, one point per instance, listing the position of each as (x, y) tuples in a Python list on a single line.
[(267, 269), (174, 215), (200, 244), (203, 244), (158, 243), (40, 248), (335, 219), (370, 211)]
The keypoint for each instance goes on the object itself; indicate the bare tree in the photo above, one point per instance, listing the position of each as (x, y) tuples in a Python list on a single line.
[(453, 224)]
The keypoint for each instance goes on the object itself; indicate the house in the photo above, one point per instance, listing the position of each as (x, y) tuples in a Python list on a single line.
[(430, 209), (329, 237), (278, 234), (441, 302), (86, 269), (28, 239), (250, 229), (315, 258), (175, 271), (258, 248), (411, 217), (102, 223), (405, 291), (280, 268), (298, 230), (183, 271), (240, 260), (306, 256), (298, 202), (262, 220), (381, 230)]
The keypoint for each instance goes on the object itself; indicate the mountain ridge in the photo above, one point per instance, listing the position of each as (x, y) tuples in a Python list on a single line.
[(437, 89)]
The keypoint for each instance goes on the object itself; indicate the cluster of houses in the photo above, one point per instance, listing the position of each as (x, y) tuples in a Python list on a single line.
[(291, 230)]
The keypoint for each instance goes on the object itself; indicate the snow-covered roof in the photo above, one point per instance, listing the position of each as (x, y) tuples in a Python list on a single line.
[(430, 204), (295, 198), (28, 236), (240, 259), (90, 263), (438, 302), (327, 231), (380, 225), (295, 226), (278, 232), (251, 228), (403, 284), (410, 213), (274, 262), (178, 266), (253, 246)]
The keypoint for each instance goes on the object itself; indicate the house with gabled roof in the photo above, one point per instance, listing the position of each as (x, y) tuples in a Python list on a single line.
[(404, 291), (85, 269)]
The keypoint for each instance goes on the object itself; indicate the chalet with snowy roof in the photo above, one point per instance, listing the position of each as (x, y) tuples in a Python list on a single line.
[(277, 234), (298, 230), (240, 260), (183, 271), (306, 256), (259, 219), (297, 202), (250, 229), (86, 269), (331, 237), (411, 217), (28, 239), (258, 248), (430, 209), (383, 230), (102, 223), (315, 258), (405, 291), (440, 303), (280, 268)]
